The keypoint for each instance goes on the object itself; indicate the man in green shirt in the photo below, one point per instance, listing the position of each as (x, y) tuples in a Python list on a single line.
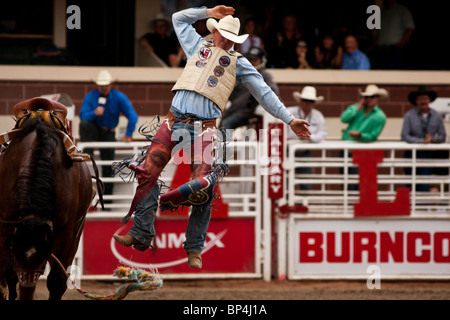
[(365, 119)]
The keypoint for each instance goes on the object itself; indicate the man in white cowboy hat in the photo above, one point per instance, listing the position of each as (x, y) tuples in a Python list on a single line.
[(307, 101), (99, 116), (201, 93), (365, 119)]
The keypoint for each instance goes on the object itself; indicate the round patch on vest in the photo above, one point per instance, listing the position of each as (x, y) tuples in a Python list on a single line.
[(204, 53), (219, 71), (212, 81), (201, 63), (224, 61)]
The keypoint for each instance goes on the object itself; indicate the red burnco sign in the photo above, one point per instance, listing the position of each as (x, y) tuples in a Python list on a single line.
[(276, 157), (229, 247), (348, 247)]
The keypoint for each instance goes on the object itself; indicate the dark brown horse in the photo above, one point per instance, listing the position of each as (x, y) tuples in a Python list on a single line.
[(44, 197)]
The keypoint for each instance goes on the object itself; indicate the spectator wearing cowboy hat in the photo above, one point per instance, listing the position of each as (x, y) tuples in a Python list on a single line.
[(99, 116), (159, 41), (201, 93), (365, 120), (307, 100), (423, 124)]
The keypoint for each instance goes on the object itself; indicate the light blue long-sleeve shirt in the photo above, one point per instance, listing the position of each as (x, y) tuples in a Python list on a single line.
[(195, 103)]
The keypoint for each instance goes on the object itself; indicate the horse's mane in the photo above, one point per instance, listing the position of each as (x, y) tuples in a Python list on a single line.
[(35, 188)]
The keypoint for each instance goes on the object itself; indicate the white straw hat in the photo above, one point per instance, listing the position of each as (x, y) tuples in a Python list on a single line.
[(308, 93), (373, 90), (228, 27), (103, 78)]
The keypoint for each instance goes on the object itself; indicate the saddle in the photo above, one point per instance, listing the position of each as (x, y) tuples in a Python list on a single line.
[(54, 114)]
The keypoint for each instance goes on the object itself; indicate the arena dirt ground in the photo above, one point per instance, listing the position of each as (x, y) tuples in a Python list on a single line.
[(255, 289)]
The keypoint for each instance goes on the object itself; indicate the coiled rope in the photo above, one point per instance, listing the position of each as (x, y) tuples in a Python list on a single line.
[(144, 280)]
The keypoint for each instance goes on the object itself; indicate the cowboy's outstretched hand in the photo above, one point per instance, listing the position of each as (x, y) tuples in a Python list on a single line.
[(300, 127), (219, 12)]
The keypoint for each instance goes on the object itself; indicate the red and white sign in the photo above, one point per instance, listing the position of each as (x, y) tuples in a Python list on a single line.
[(229, 247), (276, 157), (368, 204), (344, 247)]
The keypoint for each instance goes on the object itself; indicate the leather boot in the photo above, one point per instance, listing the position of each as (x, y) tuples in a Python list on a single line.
[(128, 240), (194, 260)]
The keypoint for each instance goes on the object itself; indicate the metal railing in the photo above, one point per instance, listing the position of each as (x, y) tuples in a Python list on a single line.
[(330, 180), (240, 189)]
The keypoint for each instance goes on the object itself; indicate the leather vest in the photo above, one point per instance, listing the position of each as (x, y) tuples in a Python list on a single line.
[(211, 72)]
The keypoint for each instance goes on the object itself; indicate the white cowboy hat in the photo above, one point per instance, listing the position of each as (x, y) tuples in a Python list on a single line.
[(373, 90), (103, 78), (228, 27), (308, 93)]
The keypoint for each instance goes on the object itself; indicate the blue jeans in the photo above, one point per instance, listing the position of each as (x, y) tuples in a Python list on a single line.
[(145, 213), (144, 217)]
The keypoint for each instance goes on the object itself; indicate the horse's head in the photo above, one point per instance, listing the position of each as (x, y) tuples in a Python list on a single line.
[(32, 244)]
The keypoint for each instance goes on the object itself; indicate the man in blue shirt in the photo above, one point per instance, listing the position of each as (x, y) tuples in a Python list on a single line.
[(201, 94), (99, 117), (354, 59)]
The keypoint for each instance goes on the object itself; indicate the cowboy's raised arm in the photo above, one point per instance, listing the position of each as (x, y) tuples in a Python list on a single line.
[(182, 24), (219, 12), (187, 35)]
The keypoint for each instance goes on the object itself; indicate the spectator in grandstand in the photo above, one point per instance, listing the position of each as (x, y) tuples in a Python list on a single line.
[(423, 124), (354, 59), (242, 103), (328, 54), (281, 47), (391, 41), (201, 94), (307, 101), (99, 117), (365, 119), (253, 40), (302, 55), (161, 42)]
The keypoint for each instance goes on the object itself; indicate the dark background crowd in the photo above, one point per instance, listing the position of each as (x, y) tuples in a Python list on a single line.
[(107, 36)]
